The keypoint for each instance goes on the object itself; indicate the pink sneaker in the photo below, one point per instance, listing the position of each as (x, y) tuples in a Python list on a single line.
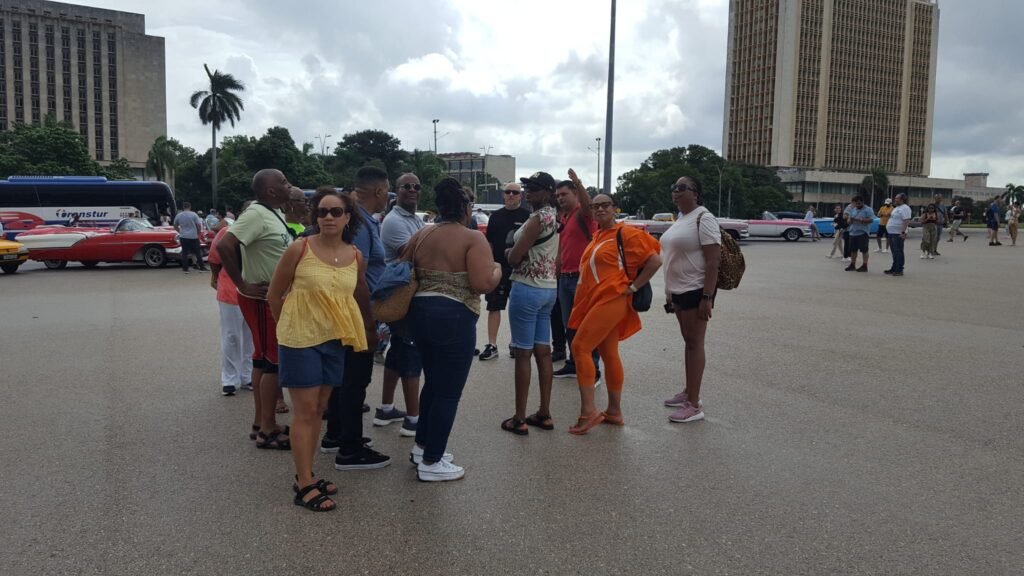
[(687, 413), (679, 400)]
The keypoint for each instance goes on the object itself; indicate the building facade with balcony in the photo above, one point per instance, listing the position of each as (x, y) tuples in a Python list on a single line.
[(484, 173)]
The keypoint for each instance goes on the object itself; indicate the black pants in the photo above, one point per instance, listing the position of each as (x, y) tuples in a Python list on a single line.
[(191, 246), (345, 407), (557, 329), (846, 243)]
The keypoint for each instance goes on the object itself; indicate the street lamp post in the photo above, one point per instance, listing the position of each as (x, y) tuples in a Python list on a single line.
[(719, 168), (609, 112), (598, 152), (435, 135)]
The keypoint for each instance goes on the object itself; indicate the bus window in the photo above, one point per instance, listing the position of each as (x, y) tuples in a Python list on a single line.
[(18, 196)]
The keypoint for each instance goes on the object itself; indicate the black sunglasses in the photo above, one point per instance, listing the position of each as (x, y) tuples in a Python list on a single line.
[(408, 186), (601, 205), (512, 192), (679, 188), (336, 211)]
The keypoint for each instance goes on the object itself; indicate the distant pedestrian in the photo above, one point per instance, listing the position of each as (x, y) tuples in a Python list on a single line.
[(956, 216), (249, 253), (321, 304), (942, 216), (692, 250), (860, 218), (883, 220), (212, 219), (165, 219), (531, 301), (896, 231), (500, 227), (1012, 219), (929, 232), (402, 361), (992, 215), (454, 266), (618, 261), (839, 228), (296, 211), (190, 228), (236, 346), (576, 228), (809, 218)]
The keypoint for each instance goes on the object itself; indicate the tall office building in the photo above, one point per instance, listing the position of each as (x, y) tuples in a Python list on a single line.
[(842, 85), (94, 68)]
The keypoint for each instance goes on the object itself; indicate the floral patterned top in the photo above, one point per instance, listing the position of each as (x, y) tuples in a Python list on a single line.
[(538, 269)]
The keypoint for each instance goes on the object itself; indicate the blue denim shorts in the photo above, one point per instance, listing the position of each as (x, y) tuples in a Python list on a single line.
[(320, 365), (529, 315), (403, 356)]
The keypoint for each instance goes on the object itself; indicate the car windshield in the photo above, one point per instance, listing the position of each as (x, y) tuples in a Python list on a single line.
[(768, 216), (133, 225)]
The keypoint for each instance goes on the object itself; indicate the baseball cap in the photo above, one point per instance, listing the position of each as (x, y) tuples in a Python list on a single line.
[(541, 180), (888, 200)]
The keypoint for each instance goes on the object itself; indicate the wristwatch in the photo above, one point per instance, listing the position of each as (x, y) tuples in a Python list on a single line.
[(707, 297), (633, 289)]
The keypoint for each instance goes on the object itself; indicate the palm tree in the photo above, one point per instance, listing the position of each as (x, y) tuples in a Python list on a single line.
[(163, 160), (1013, 191), (217, 105)]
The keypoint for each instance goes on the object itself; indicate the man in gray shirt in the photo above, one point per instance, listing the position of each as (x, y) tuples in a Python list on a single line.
[(403, 358), (189, 227), (860, 218), (402, 222)]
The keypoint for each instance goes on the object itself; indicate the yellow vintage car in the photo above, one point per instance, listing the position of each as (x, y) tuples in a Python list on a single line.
[(12, 255)]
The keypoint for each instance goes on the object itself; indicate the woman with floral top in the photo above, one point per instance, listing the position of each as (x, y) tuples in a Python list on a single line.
[(533, 294)]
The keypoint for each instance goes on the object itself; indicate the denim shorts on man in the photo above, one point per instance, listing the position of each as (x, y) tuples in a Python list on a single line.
[(320, 365), (529, 315), (403, 356)]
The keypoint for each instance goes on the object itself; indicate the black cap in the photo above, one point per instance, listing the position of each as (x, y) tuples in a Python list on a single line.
[(541, 180)]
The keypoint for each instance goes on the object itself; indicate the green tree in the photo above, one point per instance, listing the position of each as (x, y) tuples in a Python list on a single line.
[(876, 187), (163, 160), (363, 147), (216, 106), (51, 149)]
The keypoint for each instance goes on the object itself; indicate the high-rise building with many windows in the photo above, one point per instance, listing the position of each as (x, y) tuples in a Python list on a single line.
[(842, 85), (94, 68)]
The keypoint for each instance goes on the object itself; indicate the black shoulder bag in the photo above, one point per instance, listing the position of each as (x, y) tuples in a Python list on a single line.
[(644, 295)]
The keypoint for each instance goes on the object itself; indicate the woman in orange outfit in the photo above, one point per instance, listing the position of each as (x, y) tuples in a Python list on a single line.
[(603, 313)]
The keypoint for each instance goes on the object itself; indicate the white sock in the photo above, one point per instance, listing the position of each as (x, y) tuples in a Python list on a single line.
[(413, 419), (387, 407)]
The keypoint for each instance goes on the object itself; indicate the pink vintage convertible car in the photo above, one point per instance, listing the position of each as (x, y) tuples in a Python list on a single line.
[(771, 226), (130, 240)]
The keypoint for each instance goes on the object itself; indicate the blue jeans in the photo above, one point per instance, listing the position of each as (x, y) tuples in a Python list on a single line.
[(445, 332), (896, 243), (567, 284), (529, 315)]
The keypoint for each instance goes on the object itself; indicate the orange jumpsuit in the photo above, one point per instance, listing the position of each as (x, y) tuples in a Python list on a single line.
[(603, 313)]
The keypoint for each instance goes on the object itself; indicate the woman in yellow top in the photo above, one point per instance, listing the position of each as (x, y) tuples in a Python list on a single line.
[(602, 313), (321, 302), (883, 220)]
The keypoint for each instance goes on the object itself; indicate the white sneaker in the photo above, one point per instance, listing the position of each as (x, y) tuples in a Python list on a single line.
[(924, 255), (829, 256), (416, 455), (878, 251), (930, 257), (846, 259), (439, 472), (886, 251)]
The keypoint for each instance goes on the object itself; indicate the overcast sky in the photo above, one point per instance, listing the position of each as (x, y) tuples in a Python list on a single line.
[(527, 78)]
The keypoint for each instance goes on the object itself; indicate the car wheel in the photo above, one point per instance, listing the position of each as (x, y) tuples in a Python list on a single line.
[(154, 257), (9, 268), (792, 235), (55, 264), (90, 264)]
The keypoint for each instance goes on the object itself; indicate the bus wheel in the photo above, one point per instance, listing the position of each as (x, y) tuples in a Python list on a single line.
[(55, 264), (154, 257)]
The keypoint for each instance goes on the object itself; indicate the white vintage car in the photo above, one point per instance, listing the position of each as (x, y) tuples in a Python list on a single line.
[(771, 226)]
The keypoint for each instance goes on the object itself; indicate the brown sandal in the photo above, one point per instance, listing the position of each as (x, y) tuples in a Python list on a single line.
[(515, 426), (538, 421), (583, 425)]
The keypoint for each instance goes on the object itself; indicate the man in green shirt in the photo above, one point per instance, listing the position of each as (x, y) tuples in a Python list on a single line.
[(296, 211), (249, 253)]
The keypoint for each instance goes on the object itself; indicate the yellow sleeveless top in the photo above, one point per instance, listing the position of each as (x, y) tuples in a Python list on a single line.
[(321, 306)]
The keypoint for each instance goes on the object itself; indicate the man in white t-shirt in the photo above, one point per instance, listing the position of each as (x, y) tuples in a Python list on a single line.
[(899, 220)]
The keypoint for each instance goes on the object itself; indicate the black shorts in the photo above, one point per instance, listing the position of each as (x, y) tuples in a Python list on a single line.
[(882, 232), (497, 299), (859, 243), (691, 300), (992, 224)]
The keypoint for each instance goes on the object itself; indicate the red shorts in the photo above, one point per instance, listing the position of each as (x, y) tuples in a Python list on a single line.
[(264, 332)]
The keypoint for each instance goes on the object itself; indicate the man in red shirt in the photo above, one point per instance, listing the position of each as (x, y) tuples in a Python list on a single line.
[(575, 230)]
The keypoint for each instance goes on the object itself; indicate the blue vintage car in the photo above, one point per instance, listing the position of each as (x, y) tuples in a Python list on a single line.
[(825, 227)]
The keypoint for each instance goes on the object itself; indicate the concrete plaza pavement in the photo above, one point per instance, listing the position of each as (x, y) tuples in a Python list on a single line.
[(857, 424)]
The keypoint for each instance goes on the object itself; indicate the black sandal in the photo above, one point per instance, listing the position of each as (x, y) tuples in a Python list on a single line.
[(255, 431), (515, 426), (542, 422), (326, 486), (317, 503), (272, 441)]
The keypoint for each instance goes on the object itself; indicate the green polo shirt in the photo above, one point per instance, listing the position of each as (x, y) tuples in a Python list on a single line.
[(264, 237)]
